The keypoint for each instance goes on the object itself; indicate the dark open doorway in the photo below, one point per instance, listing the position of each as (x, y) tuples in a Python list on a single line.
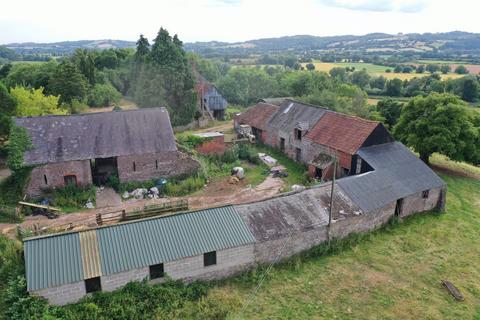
[(398, 207), (282, 144), (102, 168), (318, 173)]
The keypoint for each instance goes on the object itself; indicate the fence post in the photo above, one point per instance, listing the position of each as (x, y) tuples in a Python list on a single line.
[(99, 218)]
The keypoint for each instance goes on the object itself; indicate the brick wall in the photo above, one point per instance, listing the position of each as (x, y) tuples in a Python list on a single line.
[(415, 203), (62, 295), (215, 145), (156, 165), (54, 175), (229, 261)]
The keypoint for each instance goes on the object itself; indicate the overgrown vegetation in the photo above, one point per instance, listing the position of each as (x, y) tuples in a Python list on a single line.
[(11, 189), (71, 198), (19, 143)]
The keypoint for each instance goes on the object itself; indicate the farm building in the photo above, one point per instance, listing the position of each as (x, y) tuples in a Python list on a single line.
[(219, 242), (314, 135), (83, 149), (210, 100)]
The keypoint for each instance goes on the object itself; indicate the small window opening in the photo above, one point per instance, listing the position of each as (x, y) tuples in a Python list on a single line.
[(45, 179), (298, 134), (156, 271), (156, 164), (70, 180), (209, 258), (134, 166), (425, 194), (93, 285)]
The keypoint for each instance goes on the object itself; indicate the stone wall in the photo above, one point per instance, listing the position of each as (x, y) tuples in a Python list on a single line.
[(362, 223), (267, 251), (62, 295), (229, 262), (50, 176), (155, 165), (415, 203)]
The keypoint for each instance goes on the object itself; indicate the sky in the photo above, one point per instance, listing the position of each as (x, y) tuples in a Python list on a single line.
[(227, 20)]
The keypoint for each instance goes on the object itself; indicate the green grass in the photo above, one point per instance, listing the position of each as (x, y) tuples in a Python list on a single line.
[(297, 172), (393, 273)]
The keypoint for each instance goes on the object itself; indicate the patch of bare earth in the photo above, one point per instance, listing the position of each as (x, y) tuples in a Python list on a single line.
[(217, 193)]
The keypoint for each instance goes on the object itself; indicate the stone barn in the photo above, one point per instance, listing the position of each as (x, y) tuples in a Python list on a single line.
[(85, 149), (257, 118)]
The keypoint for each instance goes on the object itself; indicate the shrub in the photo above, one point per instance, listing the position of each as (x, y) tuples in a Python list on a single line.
[(103, 95), (71, 197), (189, 141), (11, 189), (247, 152)]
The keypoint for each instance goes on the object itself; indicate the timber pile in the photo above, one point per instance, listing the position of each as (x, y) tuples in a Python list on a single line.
[(155, 210)]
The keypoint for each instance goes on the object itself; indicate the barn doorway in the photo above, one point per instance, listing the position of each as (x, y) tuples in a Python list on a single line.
[(318, 173), (398, 207), (282, 144), (102, 169)]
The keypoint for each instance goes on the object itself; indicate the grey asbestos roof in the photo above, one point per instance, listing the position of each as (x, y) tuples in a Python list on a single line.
[(65, 258), (277, 217), (97, 135), (292, 114), (397, 173)]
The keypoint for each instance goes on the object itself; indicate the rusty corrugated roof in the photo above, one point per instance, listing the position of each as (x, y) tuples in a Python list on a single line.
[(341, 132), (90, 254), (258, 115)]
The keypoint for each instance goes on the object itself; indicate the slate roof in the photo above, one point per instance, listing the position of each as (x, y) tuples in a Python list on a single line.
[(58, 259), (292, 113), (397, 173), (98, 135), (341, 132), (277, 217), (258, 115)]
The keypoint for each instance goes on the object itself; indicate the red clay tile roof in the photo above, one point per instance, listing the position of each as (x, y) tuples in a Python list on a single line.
[(341, 132), (258, 115)]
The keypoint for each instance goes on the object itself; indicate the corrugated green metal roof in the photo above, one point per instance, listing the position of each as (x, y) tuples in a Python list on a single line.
[(57, 259), (53, 261), (146, 242)]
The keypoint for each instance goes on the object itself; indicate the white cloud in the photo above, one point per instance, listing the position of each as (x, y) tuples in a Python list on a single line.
[(378, 5), (227, 20)]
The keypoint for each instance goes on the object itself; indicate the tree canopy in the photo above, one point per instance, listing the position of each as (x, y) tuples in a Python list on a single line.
[(32, 102), (440, 123)]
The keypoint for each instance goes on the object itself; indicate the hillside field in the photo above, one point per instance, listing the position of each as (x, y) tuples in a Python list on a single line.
[(393, 273), (375, 70)]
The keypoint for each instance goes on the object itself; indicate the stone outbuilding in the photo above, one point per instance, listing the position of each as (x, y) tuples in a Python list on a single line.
[(135, 145)]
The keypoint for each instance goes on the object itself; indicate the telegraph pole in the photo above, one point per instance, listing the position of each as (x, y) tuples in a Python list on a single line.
[(330, 213)]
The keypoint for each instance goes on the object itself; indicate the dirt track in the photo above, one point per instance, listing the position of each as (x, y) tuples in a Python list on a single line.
[(215, 194)]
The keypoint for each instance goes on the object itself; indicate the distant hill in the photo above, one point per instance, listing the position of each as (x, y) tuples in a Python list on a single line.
[(66, 47), (456, 42), (379, 43)]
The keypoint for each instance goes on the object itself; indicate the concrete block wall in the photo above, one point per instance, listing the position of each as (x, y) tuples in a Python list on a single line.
[(155, 165), (55, 173), (267, 251), (114, 281), (64, 294), (229, 262), (415, 203)]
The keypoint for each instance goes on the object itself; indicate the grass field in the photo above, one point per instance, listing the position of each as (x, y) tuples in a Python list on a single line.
[(393, 273), (375, 70)]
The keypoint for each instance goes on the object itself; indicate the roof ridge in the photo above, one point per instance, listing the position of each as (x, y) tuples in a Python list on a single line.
[(91, 113)]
